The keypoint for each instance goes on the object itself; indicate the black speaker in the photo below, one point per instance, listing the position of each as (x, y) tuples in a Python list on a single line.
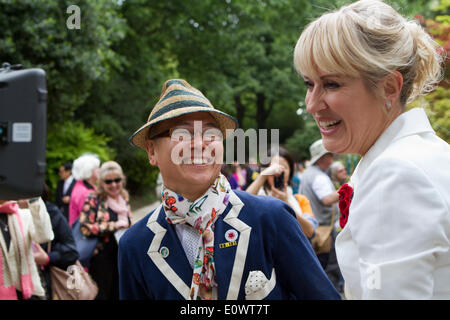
[(23, 132)]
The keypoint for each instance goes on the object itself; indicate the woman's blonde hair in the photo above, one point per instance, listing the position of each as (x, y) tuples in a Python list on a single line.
[(107, 168), (369, 39)]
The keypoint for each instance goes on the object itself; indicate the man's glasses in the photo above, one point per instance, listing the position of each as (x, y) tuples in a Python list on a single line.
[(109, 181), (188, 134)]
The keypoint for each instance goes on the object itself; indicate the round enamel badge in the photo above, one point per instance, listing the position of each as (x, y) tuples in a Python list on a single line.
[(231, 235), (164, 251)]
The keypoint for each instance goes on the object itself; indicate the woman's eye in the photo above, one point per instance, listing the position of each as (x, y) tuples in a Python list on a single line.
[(331, 85), (309, 84)]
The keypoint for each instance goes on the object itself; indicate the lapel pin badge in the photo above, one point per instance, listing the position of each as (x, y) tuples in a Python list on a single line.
[(227, 244), (231, 235), (164, 251)]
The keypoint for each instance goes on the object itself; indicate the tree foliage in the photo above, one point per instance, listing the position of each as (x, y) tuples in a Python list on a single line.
[(68, 141), (437, 103), (104, 79)]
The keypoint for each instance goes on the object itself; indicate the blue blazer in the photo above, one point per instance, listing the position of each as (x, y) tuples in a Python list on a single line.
[(269, 243)]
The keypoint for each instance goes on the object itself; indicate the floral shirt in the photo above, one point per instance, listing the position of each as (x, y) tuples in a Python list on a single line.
[(96, 219)]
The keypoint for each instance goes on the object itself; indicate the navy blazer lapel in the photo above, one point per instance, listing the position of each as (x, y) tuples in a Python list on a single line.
[(229, 257), (167, 253), (224, 255)]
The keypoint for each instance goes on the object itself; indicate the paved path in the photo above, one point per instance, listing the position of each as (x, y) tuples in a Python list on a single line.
[(142, 212)]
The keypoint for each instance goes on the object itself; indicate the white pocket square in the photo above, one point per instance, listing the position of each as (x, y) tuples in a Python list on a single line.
[(258, 286)]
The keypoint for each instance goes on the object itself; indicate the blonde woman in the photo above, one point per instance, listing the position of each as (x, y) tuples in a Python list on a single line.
[(362, 65), (104, 213)]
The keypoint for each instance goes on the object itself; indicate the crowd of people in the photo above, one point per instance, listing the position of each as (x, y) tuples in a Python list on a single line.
[(285, 230), (38, 234)]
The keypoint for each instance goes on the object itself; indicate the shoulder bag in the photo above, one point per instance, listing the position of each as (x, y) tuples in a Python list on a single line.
[(322, 240), (73, 284)]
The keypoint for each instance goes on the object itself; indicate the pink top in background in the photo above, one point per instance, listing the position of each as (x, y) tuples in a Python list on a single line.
[(79, 194)]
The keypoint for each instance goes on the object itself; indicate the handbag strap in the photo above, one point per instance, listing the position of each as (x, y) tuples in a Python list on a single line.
[(332, 214)]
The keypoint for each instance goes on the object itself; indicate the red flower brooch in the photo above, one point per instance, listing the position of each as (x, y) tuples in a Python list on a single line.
[(345, 198)]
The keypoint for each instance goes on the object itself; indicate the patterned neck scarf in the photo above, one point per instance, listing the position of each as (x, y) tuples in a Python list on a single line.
[(201, 215), (19, 241)]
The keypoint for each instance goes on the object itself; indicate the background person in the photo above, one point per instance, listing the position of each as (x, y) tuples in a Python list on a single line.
[(338, 174), (85, 171), (317, 187), (282, 162), (104, 213), (64, 188), (362, 65), (227, 171), (252, 172), (20, 227), (63, 250)]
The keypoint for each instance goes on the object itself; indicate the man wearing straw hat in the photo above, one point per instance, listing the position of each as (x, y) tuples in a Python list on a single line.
[(206, 241)]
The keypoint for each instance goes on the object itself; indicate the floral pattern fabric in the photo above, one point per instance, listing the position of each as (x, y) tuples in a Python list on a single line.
[(201, 215), (96, 219)]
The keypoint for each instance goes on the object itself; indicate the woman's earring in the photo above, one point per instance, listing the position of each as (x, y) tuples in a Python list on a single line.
[(388, 105)]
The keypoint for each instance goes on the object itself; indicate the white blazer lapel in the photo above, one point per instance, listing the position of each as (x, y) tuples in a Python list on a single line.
[(242, 247), (154, 254)]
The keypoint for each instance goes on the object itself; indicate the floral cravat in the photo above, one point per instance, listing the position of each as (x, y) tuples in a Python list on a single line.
[(201, 215)]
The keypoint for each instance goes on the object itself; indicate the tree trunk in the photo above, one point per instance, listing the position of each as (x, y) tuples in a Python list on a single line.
[(240, 110), (261, 112)]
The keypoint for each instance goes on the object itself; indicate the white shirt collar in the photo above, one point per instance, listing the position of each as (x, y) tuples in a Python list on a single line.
[(414, 121), (67, 183)]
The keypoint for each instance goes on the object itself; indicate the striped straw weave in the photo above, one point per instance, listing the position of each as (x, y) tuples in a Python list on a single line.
[(179, 98)]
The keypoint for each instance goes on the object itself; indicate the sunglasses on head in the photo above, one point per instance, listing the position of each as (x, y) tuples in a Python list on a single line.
[(109, 181)]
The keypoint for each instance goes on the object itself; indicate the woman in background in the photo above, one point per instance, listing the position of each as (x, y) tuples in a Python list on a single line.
[(85, 171), (104, 213), (282, 163), (63, 250), (338, 174)]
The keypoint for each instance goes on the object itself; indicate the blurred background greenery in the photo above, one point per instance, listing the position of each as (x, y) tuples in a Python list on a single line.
[(104, 78)]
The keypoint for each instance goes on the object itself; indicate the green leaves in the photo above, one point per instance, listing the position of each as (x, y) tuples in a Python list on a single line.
[(67, 141), (104, 79)]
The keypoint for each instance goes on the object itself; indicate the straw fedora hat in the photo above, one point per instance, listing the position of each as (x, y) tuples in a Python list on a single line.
[(178, 98), (317, 150)]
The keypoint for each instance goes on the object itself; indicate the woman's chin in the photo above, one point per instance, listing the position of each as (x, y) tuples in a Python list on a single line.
[(334, 145)]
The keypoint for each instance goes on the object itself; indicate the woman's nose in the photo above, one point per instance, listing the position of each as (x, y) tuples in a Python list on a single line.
[(314, 100)]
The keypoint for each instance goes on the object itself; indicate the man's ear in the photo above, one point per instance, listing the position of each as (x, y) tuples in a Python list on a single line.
[(392, 86), (151, 151)]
